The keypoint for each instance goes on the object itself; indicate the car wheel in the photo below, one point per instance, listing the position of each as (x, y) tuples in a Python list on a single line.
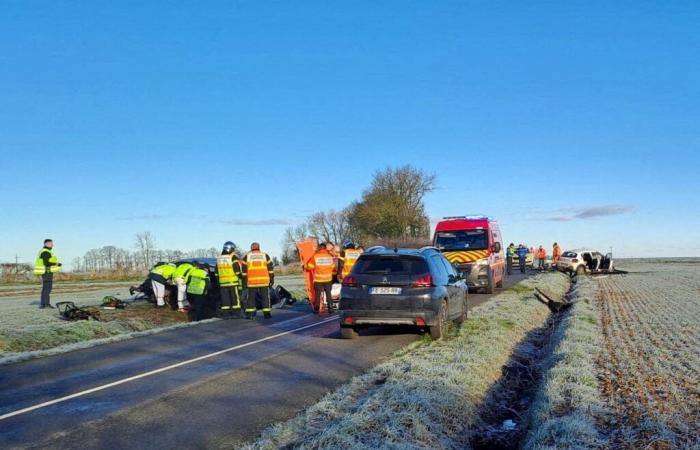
[(440, 328), (580, 270), (463, 315), (348, 333), (489, 289)]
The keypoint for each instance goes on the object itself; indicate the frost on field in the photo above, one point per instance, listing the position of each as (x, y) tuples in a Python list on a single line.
[(651, 359)]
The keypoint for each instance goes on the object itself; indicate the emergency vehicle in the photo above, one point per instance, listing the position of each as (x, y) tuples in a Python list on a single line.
[(473, 244)]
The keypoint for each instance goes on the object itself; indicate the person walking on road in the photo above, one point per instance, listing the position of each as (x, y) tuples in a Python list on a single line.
[(45, 266), (522, 257), (259, 275), (541, 256), (229, 270), (198, 286), (322, 266), (161, 275), (510, 254), (556, 253), (180, 277)]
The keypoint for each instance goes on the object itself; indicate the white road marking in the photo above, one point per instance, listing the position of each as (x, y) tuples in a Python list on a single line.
[(162, 369)]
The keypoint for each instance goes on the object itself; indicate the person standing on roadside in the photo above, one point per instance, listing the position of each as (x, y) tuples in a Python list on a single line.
[(556, 253), (322, 265), (228, 268), (541, 256), (510, 254), (522, 257), (45, 266), (259, 275)]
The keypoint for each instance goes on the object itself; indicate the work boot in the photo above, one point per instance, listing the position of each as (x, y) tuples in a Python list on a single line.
[(267, 315)]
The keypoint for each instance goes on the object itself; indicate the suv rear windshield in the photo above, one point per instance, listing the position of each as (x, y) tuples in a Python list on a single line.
[(462, 240), (387, 265)]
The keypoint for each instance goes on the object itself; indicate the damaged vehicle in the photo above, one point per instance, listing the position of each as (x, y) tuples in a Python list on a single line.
[(585, 261), (213, 299)]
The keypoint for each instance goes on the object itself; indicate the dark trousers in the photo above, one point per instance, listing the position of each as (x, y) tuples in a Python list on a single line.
[(318, 289), (230, 298), (251, 295), (197, 303), (522, 264), (46, 286), (509, 265), (540, 264)]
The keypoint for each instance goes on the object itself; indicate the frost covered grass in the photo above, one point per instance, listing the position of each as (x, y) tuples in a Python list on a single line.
[(428, 394), (27, 331), (568, 403)]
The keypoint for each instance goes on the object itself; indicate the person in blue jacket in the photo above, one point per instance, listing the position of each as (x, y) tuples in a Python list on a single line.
[(522, 255)]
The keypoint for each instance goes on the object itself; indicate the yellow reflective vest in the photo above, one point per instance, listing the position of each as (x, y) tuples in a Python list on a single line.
[(40, 268)]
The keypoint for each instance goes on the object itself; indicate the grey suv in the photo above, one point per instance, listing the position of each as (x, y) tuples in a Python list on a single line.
[(402, 287)]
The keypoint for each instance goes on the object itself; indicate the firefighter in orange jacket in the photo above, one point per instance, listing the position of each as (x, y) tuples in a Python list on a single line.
[(348, 258), (322, 265), (541, 256), (259, 275), (556, 252)]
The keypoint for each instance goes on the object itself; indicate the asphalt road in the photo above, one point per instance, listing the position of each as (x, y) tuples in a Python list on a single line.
[(211, 386)]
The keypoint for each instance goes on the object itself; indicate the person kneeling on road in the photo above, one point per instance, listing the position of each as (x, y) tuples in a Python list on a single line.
[(197, 288), (259, 275), (322, 266), (180, 276), (161, 275), (228, 267)]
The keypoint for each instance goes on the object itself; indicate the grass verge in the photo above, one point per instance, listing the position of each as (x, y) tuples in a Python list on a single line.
[(428, 394)]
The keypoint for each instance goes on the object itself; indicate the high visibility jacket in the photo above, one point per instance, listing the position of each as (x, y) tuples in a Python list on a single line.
[(258, 269), (183, 271), (198, 282), (556, 252), (349, 260), (229, 270), (163, 272), (322, 266), (510, 251), (40, 268), (541, 254)]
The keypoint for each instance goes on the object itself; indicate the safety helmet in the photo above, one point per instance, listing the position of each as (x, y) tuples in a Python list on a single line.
[(348, 243), (229, 247)]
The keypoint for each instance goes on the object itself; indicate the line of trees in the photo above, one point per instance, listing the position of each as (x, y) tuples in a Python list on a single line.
[(390, 211), (110, 258)]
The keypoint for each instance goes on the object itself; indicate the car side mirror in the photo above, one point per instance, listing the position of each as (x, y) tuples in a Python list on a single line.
[(496, 247)]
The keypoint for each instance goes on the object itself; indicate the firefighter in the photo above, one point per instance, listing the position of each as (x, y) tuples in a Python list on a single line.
[(348, 258), (510, 253), (541, 256), (180, 277), (228, 267), (161, 275), (45, 266), (259, 275), (522, 252), (322, 266), (198, 286), (556, 253)]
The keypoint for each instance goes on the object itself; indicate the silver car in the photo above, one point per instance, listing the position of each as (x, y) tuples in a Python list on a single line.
[(585, 261)]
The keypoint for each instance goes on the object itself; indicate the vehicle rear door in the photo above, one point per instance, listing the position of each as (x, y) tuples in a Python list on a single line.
[(386, 281)]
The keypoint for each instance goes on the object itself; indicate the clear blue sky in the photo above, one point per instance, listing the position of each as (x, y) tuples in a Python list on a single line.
[(205, 121)]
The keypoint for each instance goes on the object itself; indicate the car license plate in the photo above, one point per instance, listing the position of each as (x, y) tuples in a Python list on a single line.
[(385, 290)]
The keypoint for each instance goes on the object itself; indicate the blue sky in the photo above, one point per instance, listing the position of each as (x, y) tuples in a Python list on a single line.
[(575, 122)]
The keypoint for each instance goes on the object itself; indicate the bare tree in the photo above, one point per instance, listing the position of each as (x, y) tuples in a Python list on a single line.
[(146, 245)]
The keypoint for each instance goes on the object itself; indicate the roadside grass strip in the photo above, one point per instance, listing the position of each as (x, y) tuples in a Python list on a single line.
[(428, 394), (568, 404)]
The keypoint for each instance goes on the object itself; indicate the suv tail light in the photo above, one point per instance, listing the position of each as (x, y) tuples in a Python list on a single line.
[(350, 281), (424, 281)]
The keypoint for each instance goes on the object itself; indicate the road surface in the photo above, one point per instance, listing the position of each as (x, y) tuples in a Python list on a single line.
[(216, 385)]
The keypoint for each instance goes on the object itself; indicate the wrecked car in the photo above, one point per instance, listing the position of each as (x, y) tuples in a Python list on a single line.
[(585, 261)]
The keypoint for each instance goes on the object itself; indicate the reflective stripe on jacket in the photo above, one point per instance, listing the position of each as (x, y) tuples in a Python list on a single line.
[(349, 260)]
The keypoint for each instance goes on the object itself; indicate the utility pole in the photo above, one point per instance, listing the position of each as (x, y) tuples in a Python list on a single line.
[(16, 267)]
